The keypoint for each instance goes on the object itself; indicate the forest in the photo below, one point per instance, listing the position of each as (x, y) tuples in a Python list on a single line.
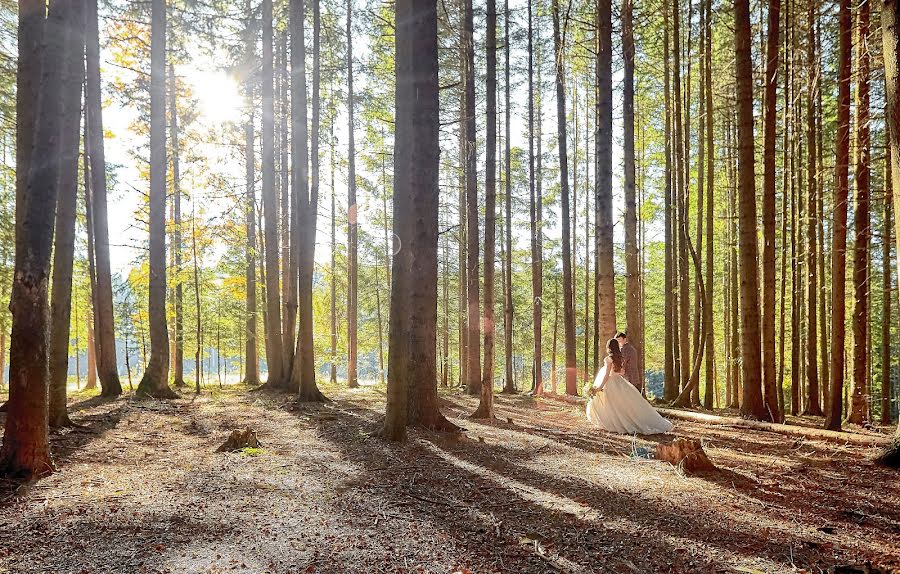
[(419, 286)]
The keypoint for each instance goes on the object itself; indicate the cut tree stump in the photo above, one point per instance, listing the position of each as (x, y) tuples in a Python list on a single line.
[(240, 439), (687, 454)]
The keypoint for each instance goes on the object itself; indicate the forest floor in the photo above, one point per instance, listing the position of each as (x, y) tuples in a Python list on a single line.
[(140, 488)]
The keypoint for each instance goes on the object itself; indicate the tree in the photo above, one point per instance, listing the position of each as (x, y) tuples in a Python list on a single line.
[(839, 233), (859, 399), (103, 300), (486, 403), (352, 218), (155, 382), (67, 201), (508, 311), (26, 451), (562, 146), (251, 358), (632, 261), (670, 385), (176, 235), (887, 293), (534, 211), (275, 358), (752, 403), (412, 370), (303, 370), (890, 21), (473, 359), (605, 281), (769, 382), (812, 294)]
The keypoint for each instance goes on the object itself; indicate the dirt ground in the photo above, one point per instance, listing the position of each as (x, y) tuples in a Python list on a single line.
[(140, 488)]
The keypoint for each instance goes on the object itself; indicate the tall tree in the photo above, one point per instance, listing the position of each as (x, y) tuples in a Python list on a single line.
[(412, 370), (839, 226), (176, 223), (103, 299), (534, 211), (752, 403), (887, 290), (859, 400), (155, 382), (812, 288), (632, 258), (508, 311), (303, 369), (769, 382), (605, 281), (670, 385), (67, 201), (275, 358), (352, 217), (485, 408), (710, 184), (26, 451), (251, 357), (890, 30), (473, 359), (562, 146)]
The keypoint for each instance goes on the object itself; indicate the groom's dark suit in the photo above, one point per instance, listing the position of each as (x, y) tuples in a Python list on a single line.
[(630, 360)]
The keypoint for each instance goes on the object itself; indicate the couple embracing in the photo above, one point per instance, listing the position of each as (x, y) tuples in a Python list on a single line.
[(615, 403)]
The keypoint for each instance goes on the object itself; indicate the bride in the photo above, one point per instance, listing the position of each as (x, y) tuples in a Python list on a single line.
[(616, 405)]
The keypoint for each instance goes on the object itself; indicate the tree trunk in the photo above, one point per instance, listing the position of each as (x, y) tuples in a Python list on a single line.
[(812, 294), (66, 211), (670, 385), (251, 357), (334, 336), (839, 232), (25, 452), (275, 357), (473, 360), (352, 219), (509, 385), (461, 226), (769, 382), (176, 239), (554, 346), (303, 369), (537, 279), (682, 340), (155, 382), (485, 408), (859, 401), (412, 383), (562, 146), (632, 260), (198, 354), (605, 282), (103, 298), (887, 286), (710, 184), (752, 403)]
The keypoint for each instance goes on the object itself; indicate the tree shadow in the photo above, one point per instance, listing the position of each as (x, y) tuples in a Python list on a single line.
[(534, 519)]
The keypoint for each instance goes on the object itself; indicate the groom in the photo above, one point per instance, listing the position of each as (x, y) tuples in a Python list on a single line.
[(630, 360)]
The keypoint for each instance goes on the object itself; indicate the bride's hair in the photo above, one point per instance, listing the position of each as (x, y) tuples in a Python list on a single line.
[(615, 353)]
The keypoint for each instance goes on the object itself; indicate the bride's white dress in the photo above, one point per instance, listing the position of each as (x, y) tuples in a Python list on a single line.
[(620, 408)]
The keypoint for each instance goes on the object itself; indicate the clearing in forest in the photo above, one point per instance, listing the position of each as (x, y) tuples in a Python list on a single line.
[(141, 488)]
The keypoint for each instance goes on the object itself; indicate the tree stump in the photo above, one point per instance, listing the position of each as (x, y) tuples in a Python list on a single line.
[(686, 454), (240, 439)]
